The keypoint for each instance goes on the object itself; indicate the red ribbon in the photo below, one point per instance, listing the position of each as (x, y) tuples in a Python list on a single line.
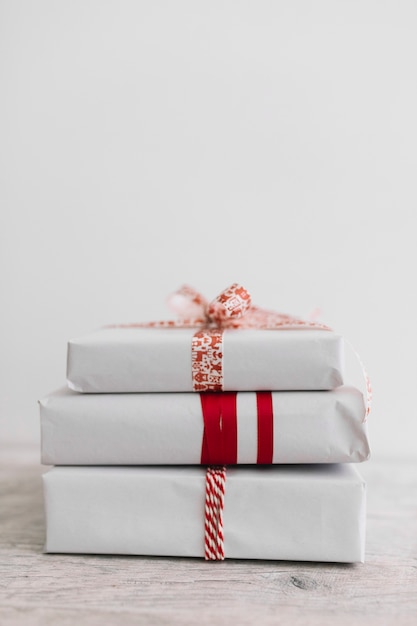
[(265, 427), (219, 446), (220, 428)]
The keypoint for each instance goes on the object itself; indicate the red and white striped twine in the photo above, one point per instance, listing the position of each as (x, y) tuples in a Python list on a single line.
[(213, 525)]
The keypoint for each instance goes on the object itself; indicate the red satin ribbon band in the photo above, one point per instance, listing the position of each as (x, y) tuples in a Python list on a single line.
[(265, 427), (220, 428), (219, 445)]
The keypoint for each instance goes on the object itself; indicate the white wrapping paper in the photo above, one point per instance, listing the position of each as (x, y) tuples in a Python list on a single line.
[(308, 513), (145, 429), (159, 359)]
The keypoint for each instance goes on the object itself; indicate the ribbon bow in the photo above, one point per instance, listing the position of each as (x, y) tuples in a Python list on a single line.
[(226, 308), (232, 308)]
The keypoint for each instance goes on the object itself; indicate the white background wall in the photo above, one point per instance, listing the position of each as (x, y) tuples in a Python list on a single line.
[(144, 144)]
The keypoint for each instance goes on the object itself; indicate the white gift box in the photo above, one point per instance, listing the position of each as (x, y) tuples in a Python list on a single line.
[(159, 360), (308, 513), (167, 428)]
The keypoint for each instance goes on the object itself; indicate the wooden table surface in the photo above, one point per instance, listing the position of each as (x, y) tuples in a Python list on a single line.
[(42, 589)]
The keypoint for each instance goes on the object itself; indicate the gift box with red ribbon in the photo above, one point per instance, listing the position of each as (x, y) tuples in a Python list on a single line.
[(213, 428), (226, 345), (227, 432), (305, 512)]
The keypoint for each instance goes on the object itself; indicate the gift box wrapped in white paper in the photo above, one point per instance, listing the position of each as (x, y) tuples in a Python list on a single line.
[(305, 512), (168, 428), (160, 360)]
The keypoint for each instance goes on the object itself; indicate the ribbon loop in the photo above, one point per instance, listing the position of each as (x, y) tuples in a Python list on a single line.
[(188, 303), (231, 304)]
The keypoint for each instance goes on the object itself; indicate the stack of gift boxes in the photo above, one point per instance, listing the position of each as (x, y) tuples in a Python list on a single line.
[(231, 434)]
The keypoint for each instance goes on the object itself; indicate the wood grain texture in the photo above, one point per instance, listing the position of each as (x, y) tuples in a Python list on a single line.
[(38, 588)]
